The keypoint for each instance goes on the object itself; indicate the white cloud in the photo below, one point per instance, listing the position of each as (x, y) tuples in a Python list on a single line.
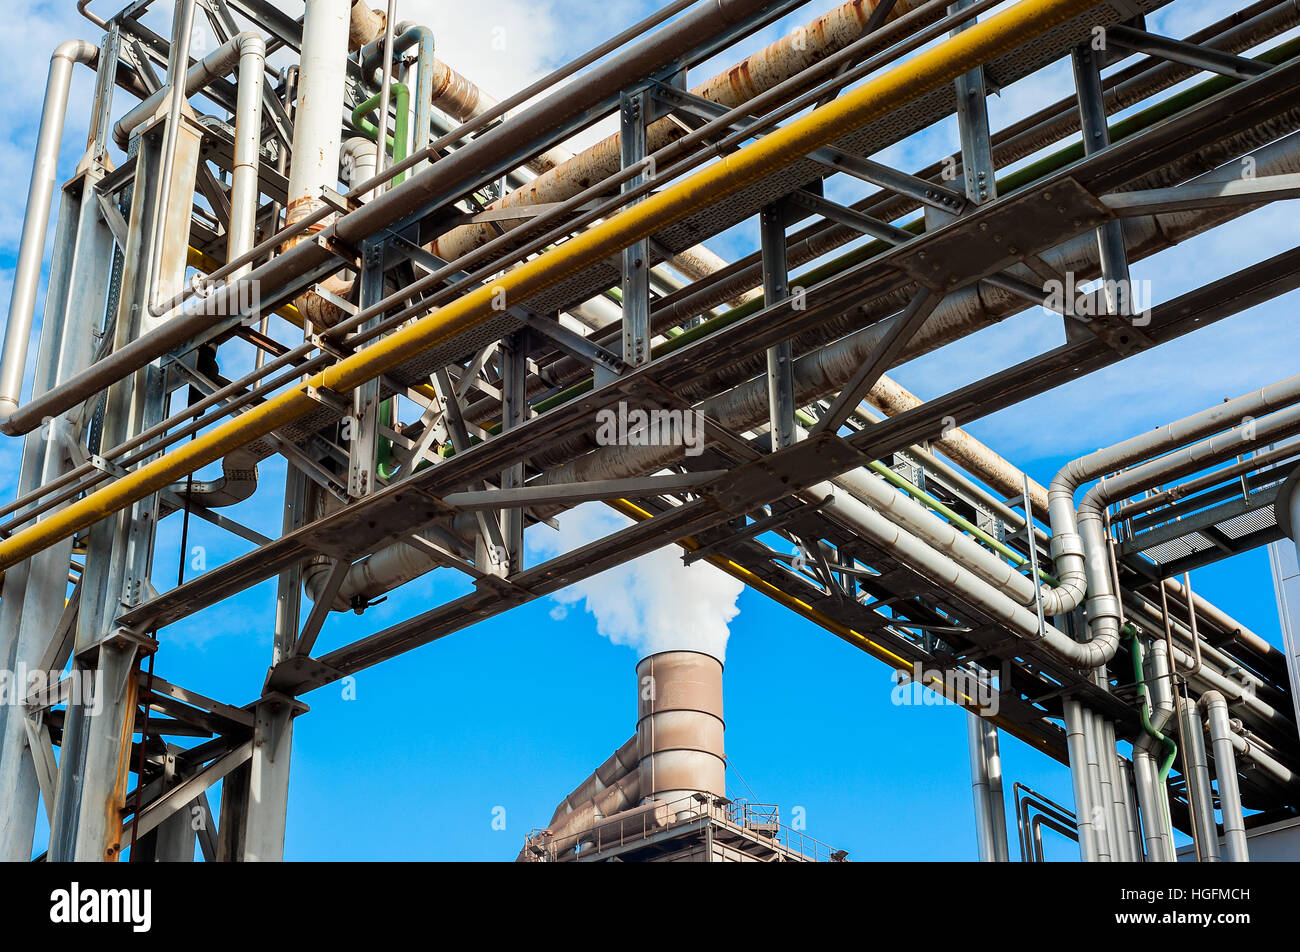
[(655, 603)]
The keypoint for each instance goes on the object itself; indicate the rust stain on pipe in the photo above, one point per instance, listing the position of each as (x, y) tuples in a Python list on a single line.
[(760, 72)]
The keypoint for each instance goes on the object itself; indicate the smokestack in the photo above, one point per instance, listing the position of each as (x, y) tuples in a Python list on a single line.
[(679, 726)]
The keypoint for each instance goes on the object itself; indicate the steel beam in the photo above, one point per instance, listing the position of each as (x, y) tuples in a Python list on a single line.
[(780, 357), (268, 783)]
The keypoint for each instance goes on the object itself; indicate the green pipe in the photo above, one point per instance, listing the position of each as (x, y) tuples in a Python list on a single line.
[(1006, 184), (920, 495), (385, 465), (361, 119), (400, 145), (1171, 747), (956, 518)]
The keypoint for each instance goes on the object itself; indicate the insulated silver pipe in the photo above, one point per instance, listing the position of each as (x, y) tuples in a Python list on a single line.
[(1099, 786), (1079, 537), (1084, 800), (1253, 750), (1114, 779), (1136, 853), (1225, 769), (1153, 807), (986, 789), (1153, 794), (1200, 798), (212, 67), (40, 193), (244, 189)]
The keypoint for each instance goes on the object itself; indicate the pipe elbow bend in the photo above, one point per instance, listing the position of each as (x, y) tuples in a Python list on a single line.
[(250, 41), (1212, 699), (76, 51)]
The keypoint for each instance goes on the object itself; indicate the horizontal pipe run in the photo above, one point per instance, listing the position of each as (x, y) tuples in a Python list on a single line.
[(928, 71), (439, 183), (214, 66)]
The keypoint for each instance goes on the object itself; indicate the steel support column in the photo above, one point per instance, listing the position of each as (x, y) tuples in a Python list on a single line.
[(514, 411), (636, 257), (1116, 287), (780, 358), (268, 778), (94, 763), (35, 591), (973, 126)]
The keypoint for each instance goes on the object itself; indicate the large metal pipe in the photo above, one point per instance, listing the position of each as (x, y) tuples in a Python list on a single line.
[(679, 727), (1152, 790), (244, 189), (40, 192), (986, 789), (943, 570), (212, 67), (408, 35), (1254, 751), (824, 371), (1085, 800), (1151, 806), (364, 25), (1225, 769), (1199, 795), (765, 69), (439, 183), (620, 763), (1079, 537), (927, 71), (321, 87)]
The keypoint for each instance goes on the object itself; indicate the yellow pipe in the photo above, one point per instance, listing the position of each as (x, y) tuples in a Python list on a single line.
[(207, 264), (924, 73), (855, 638)]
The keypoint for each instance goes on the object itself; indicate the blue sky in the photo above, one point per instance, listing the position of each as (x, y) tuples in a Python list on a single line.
[(513, 712)]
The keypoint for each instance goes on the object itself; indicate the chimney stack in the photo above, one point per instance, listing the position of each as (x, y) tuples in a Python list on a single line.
[(679, 726)]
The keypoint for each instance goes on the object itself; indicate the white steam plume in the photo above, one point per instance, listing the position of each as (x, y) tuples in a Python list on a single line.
[(654, 603)]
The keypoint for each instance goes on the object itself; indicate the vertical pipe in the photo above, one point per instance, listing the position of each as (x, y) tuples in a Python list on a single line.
[(1197, 771), (1076, 743), (385, 93), (979, 782), (316, 128), (1099, 786), (178, 68), (40, 193), (1152, 789), (244, 189), (1225, 769), (997, 801), (1149, 805), (1119, 808), (424, 67), (986, 788), (1128, 790)]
